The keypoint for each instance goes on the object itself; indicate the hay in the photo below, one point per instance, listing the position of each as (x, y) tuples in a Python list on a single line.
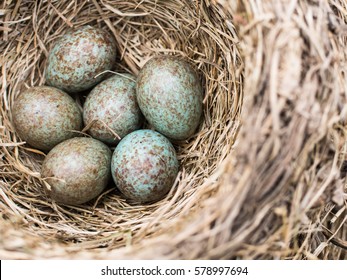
[(271, 188)]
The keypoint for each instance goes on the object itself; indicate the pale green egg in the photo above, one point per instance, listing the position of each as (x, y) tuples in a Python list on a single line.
[(144, 166), (169, 93), (77, 170), (111, 109), (45, 116), (78, 57)]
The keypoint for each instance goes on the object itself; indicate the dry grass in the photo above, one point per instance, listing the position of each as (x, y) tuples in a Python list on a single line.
[(278, 192)]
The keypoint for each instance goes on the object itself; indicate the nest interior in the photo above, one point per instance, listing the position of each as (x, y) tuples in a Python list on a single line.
[(264, 177)]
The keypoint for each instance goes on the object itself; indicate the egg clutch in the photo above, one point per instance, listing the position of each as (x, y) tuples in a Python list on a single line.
[(167, 93)]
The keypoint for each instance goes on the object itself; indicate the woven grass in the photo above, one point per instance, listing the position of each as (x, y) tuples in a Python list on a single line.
[(263, 178)]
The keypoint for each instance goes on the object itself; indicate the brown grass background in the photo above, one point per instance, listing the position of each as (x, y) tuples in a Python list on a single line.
[(263, 178)]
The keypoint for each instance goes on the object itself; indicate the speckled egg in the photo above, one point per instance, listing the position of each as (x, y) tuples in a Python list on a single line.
[(78, 56), (169, 93), (77, 170), (112, 107), (45, 116), (144, 166)]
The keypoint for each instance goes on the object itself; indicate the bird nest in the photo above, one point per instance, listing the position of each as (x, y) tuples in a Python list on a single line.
[(263, 177)]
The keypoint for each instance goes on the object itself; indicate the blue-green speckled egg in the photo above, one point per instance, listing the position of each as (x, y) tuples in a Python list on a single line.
[(144, 165), (78, 56), (45, 116), (112, 106), (77, 170), (169, 93)]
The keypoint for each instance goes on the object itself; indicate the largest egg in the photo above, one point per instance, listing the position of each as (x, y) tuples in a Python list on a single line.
[(169, 94), (78, 57)]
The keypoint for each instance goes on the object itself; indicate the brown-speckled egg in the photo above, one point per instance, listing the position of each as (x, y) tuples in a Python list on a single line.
[(45, 116), (144, 165), (77, 170), (169, 93), (78, 56), (111, 108)]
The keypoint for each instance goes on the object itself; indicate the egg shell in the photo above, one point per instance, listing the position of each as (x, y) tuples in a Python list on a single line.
[(78, 56), (169, 93), (45, 116), (77, 170), (144, 166), (112, 105)]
